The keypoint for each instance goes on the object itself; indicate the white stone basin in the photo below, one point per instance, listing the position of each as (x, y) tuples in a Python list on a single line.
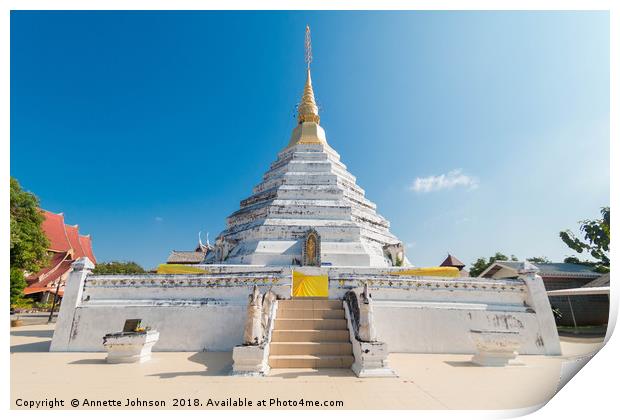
[(133, 347), (495, 348)]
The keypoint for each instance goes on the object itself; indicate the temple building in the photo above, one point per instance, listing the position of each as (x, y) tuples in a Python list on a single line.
[(66, 246), (307, 273), (582, 309)]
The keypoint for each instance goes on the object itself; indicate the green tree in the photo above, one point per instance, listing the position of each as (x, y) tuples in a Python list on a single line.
[(118, 267), (596, 234), (28, 241), (482, 263)]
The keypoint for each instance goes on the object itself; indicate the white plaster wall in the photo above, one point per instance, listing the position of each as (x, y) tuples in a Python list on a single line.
[(435, 315), (207, 312), (191, 312), (189, 327), (422, 327)]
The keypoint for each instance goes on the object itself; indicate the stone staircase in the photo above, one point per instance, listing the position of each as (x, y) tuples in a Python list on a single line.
[(310, 333)]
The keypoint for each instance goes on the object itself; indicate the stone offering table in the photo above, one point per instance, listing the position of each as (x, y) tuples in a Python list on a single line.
[(495, 348), (130, 347)]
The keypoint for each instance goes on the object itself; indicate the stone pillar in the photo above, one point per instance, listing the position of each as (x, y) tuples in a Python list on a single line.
[(253, 332), (251, 358), (367, 331), (538, 300), (72, 297)]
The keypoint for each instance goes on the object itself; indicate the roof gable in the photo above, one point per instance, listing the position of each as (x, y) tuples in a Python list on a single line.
[(54, 228), (87, 247), (452, 261), (74, 239)]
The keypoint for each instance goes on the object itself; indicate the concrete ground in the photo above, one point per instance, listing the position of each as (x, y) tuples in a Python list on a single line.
[(425, 381), (35, 318)]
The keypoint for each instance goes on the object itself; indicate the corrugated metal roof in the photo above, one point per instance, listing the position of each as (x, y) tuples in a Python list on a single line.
[(565, 268), (545, 269), (602, 281)]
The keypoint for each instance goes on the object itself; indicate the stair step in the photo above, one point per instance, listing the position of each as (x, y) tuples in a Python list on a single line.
[(309, 304), (287, 348), (311, 361), (310, 335), (310, 324), (310, 313)]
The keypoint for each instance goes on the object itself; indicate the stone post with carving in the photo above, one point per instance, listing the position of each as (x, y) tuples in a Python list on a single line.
[(367, 331), (253, 332), (370, 354), (251, 358)]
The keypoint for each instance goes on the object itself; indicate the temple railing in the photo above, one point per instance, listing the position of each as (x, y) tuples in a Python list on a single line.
[(351, 302)]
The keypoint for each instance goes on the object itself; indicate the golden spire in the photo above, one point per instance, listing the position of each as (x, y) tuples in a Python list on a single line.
[(307, 110)]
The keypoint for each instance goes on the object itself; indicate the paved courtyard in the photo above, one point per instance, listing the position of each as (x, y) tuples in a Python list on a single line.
[(425, 381)]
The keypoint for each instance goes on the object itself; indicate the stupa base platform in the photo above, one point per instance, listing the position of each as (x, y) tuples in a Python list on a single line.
[(206, 312)]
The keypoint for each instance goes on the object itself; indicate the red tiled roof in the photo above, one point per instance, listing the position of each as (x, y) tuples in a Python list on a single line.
[(44, 283), (54, 227), (33, 290), (54, 262), (87, 246), (451, 261), (66, 245), (74, 238)]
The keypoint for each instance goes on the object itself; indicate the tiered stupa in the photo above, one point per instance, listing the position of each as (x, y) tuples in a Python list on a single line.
[(308, 232), (308, 192)]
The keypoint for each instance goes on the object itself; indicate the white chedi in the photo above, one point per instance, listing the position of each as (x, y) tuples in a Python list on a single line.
[(307, 188)]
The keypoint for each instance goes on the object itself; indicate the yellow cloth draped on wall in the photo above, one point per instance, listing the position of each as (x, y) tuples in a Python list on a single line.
[(428, 272), (305, 285), (179, 269)]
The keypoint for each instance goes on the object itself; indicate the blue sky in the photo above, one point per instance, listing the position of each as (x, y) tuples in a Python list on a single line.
[(474, 132)]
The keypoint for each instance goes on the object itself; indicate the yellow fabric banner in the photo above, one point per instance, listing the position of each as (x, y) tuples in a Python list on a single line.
[(305, 285), (179, 269), (428, 272)]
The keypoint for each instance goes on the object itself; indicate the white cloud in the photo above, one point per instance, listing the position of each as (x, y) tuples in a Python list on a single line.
[(454, 178), (159, 219)]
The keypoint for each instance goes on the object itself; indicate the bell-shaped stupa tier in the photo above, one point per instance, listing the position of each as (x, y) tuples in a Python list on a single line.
[(307, 189)]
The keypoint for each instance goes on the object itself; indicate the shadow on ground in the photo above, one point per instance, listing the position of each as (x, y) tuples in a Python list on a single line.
[(209, 364), (33, 333), (467, 363), (89, 361), (41, 346), (332, 373), (35, 347)]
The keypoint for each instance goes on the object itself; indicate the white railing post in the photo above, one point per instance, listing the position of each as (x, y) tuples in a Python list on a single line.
[(538, 300), (72, 297)]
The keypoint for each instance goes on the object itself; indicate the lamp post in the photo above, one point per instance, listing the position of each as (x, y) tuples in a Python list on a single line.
[(54, 302)]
